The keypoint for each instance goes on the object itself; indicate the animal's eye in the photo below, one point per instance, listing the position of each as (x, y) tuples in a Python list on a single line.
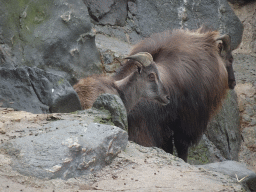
[(151, 77)]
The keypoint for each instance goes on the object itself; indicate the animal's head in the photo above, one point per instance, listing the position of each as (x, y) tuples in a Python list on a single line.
[(149, 83), (226, 54)]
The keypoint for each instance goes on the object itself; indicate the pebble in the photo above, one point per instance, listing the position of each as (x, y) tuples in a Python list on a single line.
[(253, 122), (2, 128), (246, 118)]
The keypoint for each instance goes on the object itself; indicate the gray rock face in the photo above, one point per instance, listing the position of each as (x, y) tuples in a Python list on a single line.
[(52, 35), (166, 14), (71, 150), (146, 17), (235, 170), (36, 91), (108, 12), (112, 50), (224, 129)]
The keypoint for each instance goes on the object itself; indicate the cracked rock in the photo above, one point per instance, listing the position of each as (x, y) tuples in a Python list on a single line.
[(73, 150)]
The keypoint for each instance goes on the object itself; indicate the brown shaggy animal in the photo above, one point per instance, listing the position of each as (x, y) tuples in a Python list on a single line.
[(193, 67), (143, 81), (88, 89)]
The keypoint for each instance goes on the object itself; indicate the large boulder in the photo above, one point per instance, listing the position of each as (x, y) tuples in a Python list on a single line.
[(36, 91), (53, 35), (114, 105), (224, 129), (67, 149), (205, 152), (235, 170)]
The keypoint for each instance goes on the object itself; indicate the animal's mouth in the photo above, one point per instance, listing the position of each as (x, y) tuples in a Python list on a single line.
[(163, 100)]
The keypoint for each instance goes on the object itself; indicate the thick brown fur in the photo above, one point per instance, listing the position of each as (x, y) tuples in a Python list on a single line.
[(88, 89), (195, 76)]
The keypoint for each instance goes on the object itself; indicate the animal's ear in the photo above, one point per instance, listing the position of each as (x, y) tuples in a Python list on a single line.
[(220, 47), (226, 44)]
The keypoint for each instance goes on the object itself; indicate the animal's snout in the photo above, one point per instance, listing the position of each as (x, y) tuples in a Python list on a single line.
[(232, 84), (166, 100)]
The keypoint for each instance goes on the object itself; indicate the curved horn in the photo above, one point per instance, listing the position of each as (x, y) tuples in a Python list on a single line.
[(226, 42), (143, 58)]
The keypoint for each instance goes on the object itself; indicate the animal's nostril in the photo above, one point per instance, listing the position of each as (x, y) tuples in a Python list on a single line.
[(167, 97)]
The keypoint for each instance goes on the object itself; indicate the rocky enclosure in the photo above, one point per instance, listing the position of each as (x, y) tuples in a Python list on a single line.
[(46, 46)]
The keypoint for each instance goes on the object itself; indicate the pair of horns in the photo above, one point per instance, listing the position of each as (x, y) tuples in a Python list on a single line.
[(144, 58), (226, 40)]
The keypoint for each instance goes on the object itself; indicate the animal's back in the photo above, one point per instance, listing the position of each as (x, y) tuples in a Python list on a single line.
[(88, 89)]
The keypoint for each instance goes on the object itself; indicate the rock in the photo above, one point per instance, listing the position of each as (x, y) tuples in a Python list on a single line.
[(243, 65), (65, 100), (148, 166), (205, 152), (250, 111), (108, 12), (113, 51), (52, 35), (246, 89), (115, 106), (132, 8), (188, 14), (253, 46), (148, 17), (246, 118), (240, 2), (36, 91), (2, 128), (6, 56), (248, 155), (224, 130), (247, 16), (235, 170), (246, 100), (253, 123), (249, 135), (72, 150), (118, 47)]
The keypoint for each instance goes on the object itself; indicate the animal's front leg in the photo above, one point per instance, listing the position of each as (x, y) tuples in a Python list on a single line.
[(181, 147), (168, 145)]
